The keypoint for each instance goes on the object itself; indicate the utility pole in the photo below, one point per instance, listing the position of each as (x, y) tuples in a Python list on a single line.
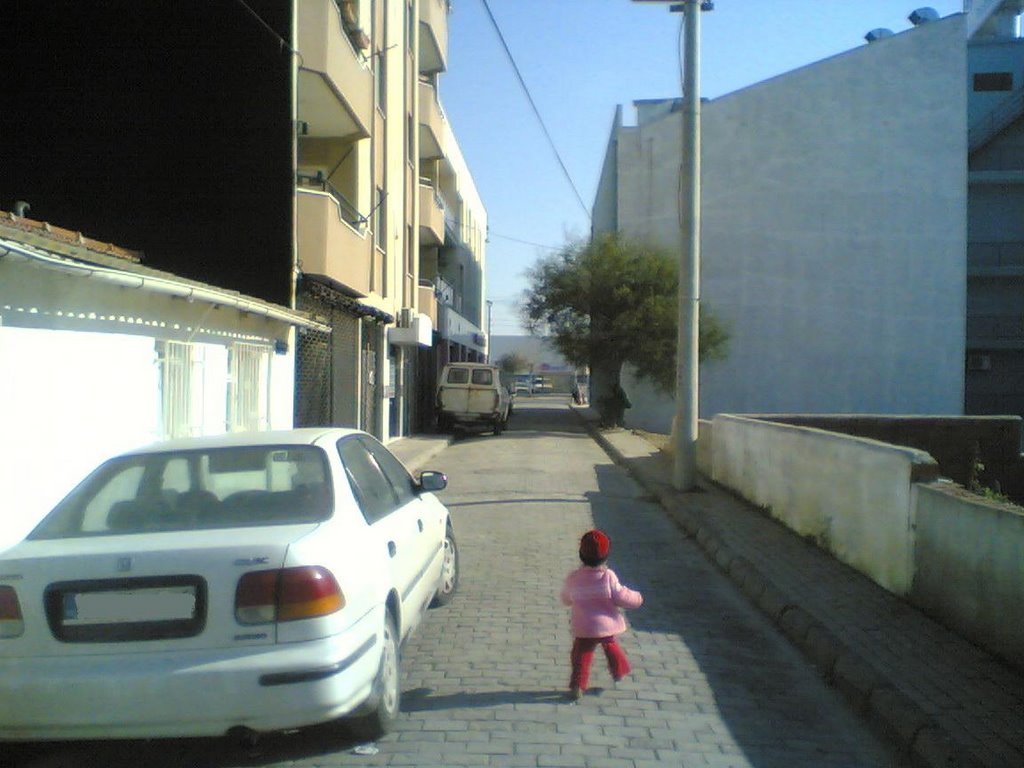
[(685, 423), (490, 310)]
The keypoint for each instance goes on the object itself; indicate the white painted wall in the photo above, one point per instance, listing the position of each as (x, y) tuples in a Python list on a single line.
[(854, 496), (834, 229), (69, 401), (952, 554)]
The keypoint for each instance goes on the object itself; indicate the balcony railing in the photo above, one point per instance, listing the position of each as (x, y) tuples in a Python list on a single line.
[(427, 295), (431, 121), (444, 291), (330, 245), (349, 213), (995, 330), (434, 35), (432, 213), (998, 257), (335, 93)]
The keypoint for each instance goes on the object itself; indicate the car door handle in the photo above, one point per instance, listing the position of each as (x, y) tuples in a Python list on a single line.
[(392, 549), (419, 524)]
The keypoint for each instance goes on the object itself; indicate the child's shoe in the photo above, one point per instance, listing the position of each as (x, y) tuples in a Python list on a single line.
[(575, 694)]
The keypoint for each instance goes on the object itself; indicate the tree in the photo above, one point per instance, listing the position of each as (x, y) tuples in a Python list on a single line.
[(612, 301), (513, 363)]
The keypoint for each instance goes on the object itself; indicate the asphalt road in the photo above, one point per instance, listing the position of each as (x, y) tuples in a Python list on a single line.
[(484, 679)]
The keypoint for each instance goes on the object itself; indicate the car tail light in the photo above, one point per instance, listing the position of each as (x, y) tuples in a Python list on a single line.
[(11, 622), (288, 594)]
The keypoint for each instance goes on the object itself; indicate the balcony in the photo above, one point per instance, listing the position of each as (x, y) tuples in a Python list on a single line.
[(1000, 259), (431, 216), (995, 331), (432, 122), (427, 300), (434, 35), (329, 245), (335, 83)]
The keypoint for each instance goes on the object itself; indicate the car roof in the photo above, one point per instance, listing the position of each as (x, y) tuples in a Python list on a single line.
[(304, 436)]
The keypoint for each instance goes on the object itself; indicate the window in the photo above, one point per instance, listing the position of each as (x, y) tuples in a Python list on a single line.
[(458, 375), (993, 81), (410, 136), (181, 376), (380, 219), (373, 492), (380, 76), (483, 376), (410, 27), (248, 388), (187, 490), (396, 473)]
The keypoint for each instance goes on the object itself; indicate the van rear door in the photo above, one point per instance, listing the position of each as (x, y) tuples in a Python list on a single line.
[(483, 393)]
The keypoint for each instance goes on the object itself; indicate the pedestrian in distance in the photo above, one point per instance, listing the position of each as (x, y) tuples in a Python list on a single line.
[(597, 598)]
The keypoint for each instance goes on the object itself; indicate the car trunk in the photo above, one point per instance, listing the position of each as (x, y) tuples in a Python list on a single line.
[(139, 593)]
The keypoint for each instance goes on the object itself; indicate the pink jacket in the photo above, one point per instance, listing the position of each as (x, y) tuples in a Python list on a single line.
[(596, 595)]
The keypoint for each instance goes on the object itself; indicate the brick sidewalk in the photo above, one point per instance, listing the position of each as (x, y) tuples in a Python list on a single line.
[(943, 699)]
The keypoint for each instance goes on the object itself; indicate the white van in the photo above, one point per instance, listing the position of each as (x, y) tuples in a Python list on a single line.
[(471, 395)]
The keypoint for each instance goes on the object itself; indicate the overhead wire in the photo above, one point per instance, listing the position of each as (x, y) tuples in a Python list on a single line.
[(533, 106)]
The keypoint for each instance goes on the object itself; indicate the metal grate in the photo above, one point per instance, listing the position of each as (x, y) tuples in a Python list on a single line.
[(312, 378), (248, 387)]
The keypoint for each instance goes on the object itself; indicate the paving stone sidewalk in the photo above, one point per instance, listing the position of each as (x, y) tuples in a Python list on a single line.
[(947, 702)]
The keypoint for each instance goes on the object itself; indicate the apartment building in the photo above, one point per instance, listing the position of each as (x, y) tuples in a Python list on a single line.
[(293, 151), (861, 233), (995, 213)]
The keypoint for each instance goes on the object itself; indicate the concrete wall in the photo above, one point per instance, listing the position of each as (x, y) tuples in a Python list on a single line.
[(956, 443), (834, 228), (852, 495), (880, 509), (968, 568)]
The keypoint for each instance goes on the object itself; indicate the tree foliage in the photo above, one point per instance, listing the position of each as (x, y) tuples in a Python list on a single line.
[(513, 363), (611, 301)]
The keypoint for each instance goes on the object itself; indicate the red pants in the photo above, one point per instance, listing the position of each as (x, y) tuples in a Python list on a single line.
[(583, 655)]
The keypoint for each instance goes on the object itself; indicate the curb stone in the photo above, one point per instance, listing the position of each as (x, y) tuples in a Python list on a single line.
[(902, 719)]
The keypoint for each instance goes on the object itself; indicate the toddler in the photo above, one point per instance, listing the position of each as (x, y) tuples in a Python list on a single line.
[(595, 594)]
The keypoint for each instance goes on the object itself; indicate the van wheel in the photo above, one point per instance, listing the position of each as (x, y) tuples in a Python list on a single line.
[(499, 425)]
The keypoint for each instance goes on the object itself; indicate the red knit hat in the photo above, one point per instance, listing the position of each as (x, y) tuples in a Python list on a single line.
[(594, 545)]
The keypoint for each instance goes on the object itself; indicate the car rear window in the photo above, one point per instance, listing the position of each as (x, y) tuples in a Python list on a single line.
[(483, 376), (190, 490), (458, 375)]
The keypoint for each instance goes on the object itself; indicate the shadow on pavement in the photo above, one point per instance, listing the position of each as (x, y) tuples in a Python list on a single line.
[(740, 669), (224, 752), (421, 700)]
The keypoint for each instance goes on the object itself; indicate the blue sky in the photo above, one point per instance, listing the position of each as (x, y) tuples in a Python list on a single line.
[(581, 58)]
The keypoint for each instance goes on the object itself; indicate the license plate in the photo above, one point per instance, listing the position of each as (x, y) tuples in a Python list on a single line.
[(129, 606)]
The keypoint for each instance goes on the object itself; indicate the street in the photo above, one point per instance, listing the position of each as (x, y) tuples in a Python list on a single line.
[(485, 678)]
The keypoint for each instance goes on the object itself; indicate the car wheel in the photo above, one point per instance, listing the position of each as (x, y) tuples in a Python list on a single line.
[(387, 692), (499, 425), (449, 581)]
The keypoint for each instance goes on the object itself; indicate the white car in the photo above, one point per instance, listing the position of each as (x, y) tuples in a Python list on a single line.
[(256, 581)]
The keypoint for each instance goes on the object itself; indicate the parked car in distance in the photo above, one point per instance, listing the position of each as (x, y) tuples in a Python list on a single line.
[(254, 581), (471, 395)]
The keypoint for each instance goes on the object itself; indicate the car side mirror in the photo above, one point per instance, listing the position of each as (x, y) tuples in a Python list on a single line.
[(433, 481)]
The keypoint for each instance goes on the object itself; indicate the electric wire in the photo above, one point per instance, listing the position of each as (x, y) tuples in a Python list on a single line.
[(284, 44), (533, 106)]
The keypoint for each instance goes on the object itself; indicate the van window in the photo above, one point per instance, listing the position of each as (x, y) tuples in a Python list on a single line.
[(483, 376), (458, 376)]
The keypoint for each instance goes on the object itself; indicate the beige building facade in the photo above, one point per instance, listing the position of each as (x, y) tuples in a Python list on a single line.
[(389, 229)]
